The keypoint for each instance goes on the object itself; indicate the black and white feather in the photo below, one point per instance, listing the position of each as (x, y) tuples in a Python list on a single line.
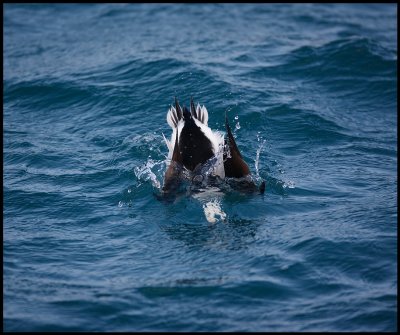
[(195, 124)]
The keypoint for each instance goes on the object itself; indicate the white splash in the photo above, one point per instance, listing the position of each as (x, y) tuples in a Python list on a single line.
[(212, 209), (257, 160), (145, 172), (211, 198), (288, 184)]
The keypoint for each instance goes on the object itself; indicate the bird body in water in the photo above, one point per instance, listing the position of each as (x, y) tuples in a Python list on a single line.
[(198, 153)]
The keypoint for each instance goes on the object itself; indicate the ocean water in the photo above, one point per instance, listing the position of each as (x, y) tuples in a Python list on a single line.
[(311, 93)]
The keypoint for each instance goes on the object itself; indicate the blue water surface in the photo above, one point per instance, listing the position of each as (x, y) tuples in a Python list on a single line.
[(311, 93)]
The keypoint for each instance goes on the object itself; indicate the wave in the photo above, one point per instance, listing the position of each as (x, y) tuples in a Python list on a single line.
[(354, 59), (41, 94)]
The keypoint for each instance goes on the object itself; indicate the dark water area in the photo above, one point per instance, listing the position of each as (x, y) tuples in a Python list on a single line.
[(311, 93)]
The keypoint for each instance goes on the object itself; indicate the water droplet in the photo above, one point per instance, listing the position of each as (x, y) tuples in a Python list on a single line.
[(237, 125), (257, 161), (129, 190), (120, 204), (236, 117)]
